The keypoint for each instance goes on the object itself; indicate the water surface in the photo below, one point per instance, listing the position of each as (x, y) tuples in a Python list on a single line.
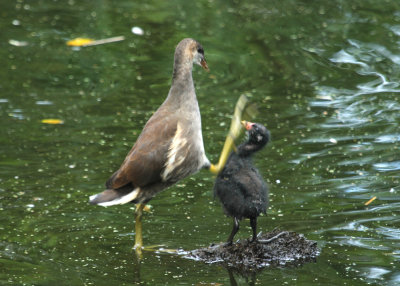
[(325, 76)]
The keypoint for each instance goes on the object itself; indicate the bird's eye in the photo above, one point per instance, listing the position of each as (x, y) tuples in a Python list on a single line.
[(200, 51)]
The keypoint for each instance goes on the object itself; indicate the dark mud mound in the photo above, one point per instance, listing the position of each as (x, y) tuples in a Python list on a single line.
[(275, 248)]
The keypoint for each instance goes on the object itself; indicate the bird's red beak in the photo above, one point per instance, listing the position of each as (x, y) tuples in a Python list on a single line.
[(248, 125), (204, 64)]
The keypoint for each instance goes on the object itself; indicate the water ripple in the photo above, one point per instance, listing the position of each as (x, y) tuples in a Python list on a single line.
[(387, 166), (395, 29), (362, 242), (344, 57), (388, 138), (391, 233), (375, 272)]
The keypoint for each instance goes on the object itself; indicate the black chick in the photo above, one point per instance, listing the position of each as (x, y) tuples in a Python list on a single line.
[(239, 186)]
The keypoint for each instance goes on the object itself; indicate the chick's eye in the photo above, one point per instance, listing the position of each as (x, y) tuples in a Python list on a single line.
[(200, 51)]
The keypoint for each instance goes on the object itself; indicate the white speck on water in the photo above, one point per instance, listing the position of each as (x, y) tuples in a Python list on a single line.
[(44, 102), (333, 140), (137, 31), (278, 181), (324, 97), (17, 43)]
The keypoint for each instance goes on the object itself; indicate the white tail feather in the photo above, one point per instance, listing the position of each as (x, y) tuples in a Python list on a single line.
[(119, 201), (91, 198)]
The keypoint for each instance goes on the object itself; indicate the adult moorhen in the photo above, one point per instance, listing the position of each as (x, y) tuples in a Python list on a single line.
[(170, 146), (239, 186)]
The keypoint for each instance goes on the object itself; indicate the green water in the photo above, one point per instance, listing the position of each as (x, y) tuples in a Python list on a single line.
[(325, 76)]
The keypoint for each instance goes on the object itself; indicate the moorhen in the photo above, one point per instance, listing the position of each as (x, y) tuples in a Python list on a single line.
[(239, 186), (170, 146)]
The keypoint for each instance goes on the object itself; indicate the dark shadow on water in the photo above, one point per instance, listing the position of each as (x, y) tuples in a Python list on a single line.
[(250, 278)]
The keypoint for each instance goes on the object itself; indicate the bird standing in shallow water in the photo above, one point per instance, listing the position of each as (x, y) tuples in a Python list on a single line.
[(170, 146), (239, 186)]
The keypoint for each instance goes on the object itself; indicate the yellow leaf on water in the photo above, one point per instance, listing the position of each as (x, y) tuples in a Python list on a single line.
[(370, 201), (52, 121), (78, 42)]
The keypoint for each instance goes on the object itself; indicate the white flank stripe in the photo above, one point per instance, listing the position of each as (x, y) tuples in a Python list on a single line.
[(122, 200), (176, 145)]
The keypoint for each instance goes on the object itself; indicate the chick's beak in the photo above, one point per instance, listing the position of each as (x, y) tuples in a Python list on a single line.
[(246, 124), (204, 64)]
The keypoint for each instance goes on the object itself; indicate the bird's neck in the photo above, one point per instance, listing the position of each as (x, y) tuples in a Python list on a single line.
[(247, 149), (182, 87), (182, 70)]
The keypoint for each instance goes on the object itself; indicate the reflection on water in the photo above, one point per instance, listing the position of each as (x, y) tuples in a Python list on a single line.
[(325, 76), (387, 166)]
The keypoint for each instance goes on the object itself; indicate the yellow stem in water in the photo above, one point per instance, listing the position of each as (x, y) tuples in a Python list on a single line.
[(234, 132)]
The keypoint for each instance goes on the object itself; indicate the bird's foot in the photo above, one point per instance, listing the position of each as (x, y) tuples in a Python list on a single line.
[(228, 243), (160, 248), (254, 240)]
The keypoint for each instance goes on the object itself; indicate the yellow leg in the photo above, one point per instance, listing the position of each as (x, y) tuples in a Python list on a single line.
[(138, 229), (138, 247), (234, 132)]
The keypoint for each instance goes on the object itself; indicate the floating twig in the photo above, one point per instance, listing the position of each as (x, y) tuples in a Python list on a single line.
[(105, 41), (86, 42)]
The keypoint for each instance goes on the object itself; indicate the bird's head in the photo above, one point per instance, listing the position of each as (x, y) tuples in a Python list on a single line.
[(258, 133), (189, 50)]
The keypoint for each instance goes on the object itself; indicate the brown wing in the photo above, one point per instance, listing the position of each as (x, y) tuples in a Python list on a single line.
[(144, 163)]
